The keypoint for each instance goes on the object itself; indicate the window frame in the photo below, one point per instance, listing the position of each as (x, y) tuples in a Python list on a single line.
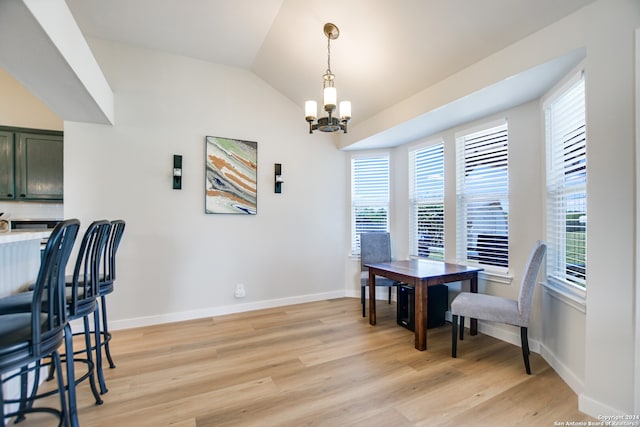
[(364, 201), (436, 195), (464, 254), (573, 293)]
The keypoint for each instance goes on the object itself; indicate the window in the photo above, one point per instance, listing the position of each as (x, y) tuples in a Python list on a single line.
[(369, 196), (482, 189), (567, 186), (426, 201)]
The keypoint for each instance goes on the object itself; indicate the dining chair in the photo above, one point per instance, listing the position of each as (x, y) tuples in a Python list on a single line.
[(26, 338), (499, 309), (375, 247)]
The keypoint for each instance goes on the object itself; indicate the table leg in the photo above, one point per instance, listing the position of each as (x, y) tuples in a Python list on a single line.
[(372, 298), (474, 288), (420, 321)]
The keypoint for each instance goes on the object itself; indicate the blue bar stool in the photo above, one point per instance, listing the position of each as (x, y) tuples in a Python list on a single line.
[(105, 287), (28, 337)]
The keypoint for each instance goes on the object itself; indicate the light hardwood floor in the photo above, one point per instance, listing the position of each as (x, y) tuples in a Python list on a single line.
[(319, 364)]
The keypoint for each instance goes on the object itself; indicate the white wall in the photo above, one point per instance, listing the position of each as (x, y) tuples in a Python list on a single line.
[(609, 349), (175, 262)]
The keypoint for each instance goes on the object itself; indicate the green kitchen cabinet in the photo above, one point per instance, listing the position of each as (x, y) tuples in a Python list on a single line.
[(7, 188), (34, 165)]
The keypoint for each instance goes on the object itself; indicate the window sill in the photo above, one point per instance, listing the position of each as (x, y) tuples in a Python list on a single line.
[(568, 294), (503, 278), (489, 273)]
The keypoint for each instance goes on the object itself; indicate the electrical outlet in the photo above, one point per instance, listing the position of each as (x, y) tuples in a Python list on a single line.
[(240, 291)]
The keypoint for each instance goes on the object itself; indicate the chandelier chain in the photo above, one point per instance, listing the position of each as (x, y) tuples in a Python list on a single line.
[(329, 55)]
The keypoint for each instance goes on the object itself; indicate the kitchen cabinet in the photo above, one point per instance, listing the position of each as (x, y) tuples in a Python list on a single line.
[(7, 188), (33, 161)]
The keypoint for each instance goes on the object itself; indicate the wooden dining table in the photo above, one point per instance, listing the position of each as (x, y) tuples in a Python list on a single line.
[(421, 274)]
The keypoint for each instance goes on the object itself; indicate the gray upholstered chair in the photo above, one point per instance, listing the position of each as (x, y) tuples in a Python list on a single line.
[(498, 309), (374, 247)]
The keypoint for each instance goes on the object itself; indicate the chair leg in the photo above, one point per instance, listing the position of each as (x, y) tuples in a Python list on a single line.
[(64, 412), (30, 400), (97, 337), (91, 365), (461, 328), (25, 403), (105, 329), (362, 299), (454, 335), (390, 294), (52, 372), (71, 376), (1, 403), (525, 349)]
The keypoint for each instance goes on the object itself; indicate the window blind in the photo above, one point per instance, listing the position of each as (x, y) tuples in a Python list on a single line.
[(369, 197), (426, 200), (567, 186), (482, 189)]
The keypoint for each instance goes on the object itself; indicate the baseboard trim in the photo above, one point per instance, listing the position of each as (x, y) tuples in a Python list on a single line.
[(599, 410), (567, 375), (219, 311), (381, 295)]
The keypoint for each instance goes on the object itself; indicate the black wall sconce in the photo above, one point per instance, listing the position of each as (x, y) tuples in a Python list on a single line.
[(177, 172), (278, 178)]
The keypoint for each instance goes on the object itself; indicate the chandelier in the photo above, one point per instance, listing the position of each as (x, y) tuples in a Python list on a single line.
[(329, 100)]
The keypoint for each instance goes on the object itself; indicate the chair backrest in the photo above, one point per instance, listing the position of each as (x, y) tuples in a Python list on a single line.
[(374, 247), (85, 274), (117, 230), (49, 306), (529, 281)]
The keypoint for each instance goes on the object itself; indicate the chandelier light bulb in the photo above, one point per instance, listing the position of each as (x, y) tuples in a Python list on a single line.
[(330, 98), (345, 110), (311, 110)]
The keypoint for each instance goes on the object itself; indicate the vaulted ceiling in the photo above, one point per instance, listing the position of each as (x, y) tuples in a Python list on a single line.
[(387, 49)]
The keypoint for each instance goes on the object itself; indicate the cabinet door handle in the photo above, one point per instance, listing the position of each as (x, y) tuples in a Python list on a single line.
[(9, 195), (23, 195)]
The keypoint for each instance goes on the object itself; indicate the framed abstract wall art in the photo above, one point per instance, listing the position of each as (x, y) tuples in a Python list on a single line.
[(231, 176)]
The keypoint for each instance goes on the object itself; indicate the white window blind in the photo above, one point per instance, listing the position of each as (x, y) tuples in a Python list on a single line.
[(482, 188), (426, 201), (567, 186), (369, 196)]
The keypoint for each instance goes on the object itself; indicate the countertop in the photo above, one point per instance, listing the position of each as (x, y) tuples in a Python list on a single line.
[(20, 236)]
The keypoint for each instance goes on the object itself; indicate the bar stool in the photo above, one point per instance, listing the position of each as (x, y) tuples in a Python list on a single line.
[(105, 287), (81, 293), (28, 337), (82, 302)]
